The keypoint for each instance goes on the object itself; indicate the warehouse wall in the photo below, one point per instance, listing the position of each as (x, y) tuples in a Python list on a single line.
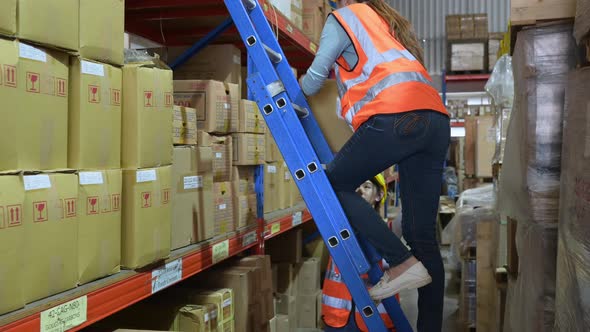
[(428, 17)]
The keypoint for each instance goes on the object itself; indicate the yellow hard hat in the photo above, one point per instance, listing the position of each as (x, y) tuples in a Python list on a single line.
[(380, 179)]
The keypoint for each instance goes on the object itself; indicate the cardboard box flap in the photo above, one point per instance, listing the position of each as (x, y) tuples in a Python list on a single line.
[(139, 58)]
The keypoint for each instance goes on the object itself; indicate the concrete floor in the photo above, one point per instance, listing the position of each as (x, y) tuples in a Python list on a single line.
[(409, 300)]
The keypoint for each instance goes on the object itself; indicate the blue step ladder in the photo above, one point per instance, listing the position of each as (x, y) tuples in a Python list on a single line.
[(275, 89)]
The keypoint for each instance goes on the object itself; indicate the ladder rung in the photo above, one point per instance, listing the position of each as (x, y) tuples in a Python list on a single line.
[(274, 56), (302, 112), (249, 4)]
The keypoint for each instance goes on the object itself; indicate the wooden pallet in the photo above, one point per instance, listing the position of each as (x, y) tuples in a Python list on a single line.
[(487, 293)]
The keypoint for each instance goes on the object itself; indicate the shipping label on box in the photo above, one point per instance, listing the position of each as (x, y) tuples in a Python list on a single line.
[(54, 23), (184, 126), (102, 30), (94, 117), (250, 119), (34, 91), (147, 117), (50, 217), (99, 224), (217, 103), (12, 243), (147, 195), (223, 204), (8, 18), (248, 149), (222, 158)]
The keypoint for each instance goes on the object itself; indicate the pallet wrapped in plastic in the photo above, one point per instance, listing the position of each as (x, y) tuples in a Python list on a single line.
[(500, 87), (530, 179), (573, 258)]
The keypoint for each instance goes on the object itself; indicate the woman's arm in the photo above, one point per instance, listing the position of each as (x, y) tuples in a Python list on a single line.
[(333, 43)]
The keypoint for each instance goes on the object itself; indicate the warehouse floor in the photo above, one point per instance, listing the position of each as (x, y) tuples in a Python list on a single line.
[(409, 301)]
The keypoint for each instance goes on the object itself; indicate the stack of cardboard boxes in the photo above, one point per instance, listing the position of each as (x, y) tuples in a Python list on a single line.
[(467, 42), (296, 282), (61, 89)]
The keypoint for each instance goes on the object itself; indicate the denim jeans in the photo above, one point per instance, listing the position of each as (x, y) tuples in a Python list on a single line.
[(417, 142)]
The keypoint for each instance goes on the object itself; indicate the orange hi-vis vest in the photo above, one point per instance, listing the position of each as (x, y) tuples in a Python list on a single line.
[(387, 78), (337, 302)]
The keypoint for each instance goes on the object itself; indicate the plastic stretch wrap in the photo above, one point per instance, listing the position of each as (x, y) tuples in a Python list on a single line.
[(573, 257), (474, 206), (500, 87), (530, 179)]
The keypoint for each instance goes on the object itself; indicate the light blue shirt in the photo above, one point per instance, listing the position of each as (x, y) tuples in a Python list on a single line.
[(334, 43)]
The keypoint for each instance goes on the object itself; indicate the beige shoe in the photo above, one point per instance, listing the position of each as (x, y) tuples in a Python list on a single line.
[(415, 277)]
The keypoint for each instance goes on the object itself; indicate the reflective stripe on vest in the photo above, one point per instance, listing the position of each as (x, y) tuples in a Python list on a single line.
[(383, 64), (337, 302)]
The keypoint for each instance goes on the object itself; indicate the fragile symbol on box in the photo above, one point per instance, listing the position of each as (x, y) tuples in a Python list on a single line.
[(147, 98), (93, 94), (61, 87), (115, 97), (40, 211), (14, 213), (91, 205), (169, 99), (10, 76), (165, 196), (146, 199), (33, 84), (70, 207), (116, 202)]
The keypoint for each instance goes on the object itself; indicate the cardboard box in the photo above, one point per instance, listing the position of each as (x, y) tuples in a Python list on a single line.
[(186, 184), (204, 139), (325, 109), (223, 204), (286, 248), (470, 144), (12, 239), (94, 117), (147, 211), (292, 9), (295, 195), (307, 310), (184, 126), (206, 210), (217, 103), (242, 213), (250, 119), (102, 30), (248, 149), (8, 17), (523, 12), (50, 218), (287, 305), (286, 279), (282, 323), (271, 189), (468, 56), (263, 263), (192, 318), (453, 27), (53, 23), (99, 224), (314, 13), (272, 153), (147, 116), (485, 147), (284, 187), (308, 276), (221, 298), (244, 180), (34, 93), (215, 62), (222, 158)]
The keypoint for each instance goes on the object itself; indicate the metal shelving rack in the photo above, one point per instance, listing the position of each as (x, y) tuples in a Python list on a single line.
[(175, 23)]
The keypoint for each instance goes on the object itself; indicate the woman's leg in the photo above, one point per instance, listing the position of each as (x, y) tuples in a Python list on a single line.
[(420, 182)]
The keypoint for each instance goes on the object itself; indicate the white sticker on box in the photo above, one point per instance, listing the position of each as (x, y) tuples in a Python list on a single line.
[(87, 178), (218, 155), (297, 219), (167, 275), (206, 317), (64, 316), (146, 176), (92, 68), (227, 106), (271, 169), (34, 182), (287, 176), (193, 182), (226, 302), (32, 53), (222, 206)]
